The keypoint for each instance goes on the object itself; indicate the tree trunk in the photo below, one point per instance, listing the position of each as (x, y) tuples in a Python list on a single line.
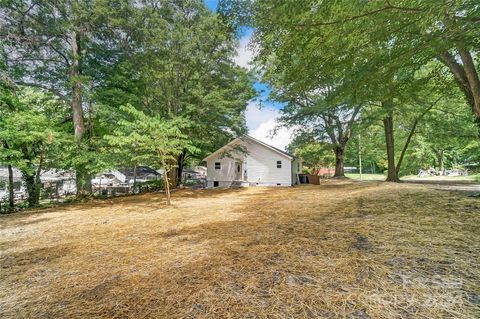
[(83, 179), (11, 197), (339, 161), (166, 184), (466, 77), (392, 175), (134, 179), (441, 161), (30, 179), (172, 176), (410, 135), (38, 182), (83, 182), (473, 80), (180, 163), (33, 197), (405, 147), (360, 170), (76, 104)]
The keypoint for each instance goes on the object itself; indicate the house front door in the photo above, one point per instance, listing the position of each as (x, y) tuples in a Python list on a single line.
[(238, 171)]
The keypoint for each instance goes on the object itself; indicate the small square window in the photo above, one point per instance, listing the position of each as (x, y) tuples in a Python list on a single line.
[(279, 164), (218, 165)]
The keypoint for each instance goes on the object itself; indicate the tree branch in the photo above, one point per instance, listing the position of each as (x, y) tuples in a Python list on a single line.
[(49, 89), (412, 132), (455, 67), (472, 78)]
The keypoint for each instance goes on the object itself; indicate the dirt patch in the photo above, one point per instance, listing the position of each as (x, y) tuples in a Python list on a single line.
[(362, 243)]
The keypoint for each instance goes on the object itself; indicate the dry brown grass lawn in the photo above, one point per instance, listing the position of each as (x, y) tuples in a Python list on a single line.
[(339, 250)]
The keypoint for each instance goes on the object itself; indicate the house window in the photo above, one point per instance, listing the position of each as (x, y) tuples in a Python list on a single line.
[(215, 183), (217, 165), (279, 164)]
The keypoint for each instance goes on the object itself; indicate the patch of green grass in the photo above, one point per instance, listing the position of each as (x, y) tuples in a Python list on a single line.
[(366, 177), (381, 177), (470, 178)]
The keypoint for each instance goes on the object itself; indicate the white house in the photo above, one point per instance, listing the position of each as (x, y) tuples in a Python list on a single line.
[(196, 172), (57, 181), (246, 161)]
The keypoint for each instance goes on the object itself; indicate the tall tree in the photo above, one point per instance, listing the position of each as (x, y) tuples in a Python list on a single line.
[(57, 46), (30, 135), (185, 68), (173, 58), (8, 104), (310, 115), (158, 141), (314, 154)]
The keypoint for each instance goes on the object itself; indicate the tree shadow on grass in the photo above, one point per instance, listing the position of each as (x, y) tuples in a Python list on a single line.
[(17, 262), (22, 221)]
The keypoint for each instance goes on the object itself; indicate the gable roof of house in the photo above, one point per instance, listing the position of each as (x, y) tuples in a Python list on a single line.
[(141, 171), (50, 175), (290, 156), (17, 174)]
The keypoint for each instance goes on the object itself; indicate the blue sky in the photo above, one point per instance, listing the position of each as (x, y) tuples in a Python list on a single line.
[(261, 117), (211, 4)]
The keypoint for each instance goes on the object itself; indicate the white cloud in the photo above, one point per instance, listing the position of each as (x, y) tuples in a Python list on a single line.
[(262, 121), (244, 52), (256, 115)]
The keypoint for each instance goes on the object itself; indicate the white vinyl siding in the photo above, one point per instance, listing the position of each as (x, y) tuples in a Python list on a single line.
[(262, 166), (225, 173), (296, 169)]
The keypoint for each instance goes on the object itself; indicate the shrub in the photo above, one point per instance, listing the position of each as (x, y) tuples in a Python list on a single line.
[(150, 186)]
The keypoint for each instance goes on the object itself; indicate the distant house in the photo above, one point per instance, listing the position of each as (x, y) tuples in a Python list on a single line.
[(196, 172), (17, 175), (111, 178), (202, 170), (246, 161), (141, 174), (60, 183), (350, 169), (126, 176), (324, 171), (18, 187), (57, 182), (194, 177)]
